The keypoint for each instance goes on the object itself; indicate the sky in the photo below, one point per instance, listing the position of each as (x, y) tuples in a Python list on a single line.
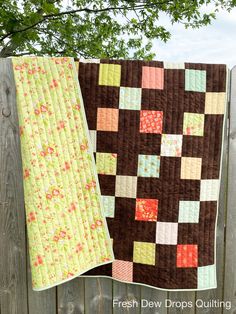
[(215, 43)]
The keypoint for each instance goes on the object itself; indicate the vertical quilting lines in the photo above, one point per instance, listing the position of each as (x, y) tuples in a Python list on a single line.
[(47, 161), (78, 160), (62, 244), (64, 141), (94, 204), (31, 126)]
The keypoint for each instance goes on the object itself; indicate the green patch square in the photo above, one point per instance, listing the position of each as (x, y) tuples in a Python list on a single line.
[(148, 166), (193, 124), (106, 163), (108, 206), (144, 253), (130, 98), (109, 74), (189, 211), (206, 277), (195, 80)]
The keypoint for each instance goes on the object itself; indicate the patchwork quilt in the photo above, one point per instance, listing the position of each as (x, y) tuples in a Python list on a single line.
[(156, 130), (67, 231)]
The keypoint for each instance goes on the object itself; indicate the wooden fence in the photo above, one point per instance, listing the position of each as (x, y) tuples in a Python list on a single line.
[(96, 295)]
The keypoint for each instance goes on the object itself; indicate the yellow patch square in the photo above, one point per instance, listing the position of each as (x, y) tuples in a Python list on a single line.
[(109, 74), (191, 168), (106, 163), (144, 253), (215, 103)]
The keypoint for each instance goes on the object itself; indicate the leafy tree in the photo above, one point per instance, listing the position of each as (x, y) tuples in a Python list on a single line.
[(96, 29)]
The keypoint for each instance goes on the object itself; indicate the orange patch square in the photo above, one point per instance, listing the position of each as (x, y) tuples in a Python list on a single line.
[(146, 209), (152, 77), (187, 255), (151, 121), (107, 119)]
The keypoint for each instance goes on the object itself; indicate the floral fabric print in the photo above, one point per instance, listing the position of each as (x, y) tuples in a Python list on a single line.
[(151, 121), (146, 209), (66, 229), (193, 124)]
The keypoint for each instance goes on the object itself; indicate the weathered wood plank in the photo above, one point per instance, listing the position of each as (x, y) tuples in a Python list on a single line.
[(230, 251), (119, 295), (217, 294), (181, 302), (98, 295), (13, 281), (70, 297), (40, 301), (153, 295)]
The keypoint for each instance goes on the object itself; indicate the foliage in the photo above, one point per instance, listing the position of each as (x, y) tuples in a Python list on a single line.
[(96, 29)]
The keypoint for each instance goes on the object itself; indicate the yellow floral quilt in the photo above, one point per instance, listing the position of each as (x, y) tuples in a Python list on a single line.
[(67, 231)]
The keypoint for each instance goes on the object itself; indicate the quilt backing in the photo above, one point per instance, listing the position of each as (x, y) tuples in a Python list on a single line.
[(66, 228), (156, 129)]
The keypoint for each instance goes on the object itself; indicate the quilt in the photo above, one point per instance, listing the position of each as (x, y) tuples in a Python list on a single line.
[(156, 129), (67, 231)]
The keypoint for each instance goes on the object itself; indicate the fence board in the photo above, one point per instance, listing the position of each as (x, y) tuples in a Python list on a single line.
[(151, 294), (13, 281), (230, 252), (70, 297), (98, 295), (182, 296), (217, 294)]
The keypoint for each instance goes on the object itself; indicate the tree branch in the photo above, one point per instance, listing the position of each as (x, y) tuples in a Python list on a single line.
[(72, 12)]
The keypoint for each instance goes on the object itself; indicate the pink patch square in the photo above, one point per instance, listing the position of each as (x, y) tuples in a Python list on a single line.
[(122, 270), (151, 121), (146, 209), (187, 255), (152, 78)]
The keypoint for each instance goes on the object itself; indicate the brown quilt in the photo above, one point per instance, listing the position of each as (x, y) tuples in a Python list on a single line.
[(156, 130)]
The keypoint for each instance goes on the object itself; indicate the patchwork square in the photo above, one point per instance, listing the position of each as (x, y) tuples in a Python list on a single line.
[(174, 65), (122, 270), (109, 74), (107, 119), (106, 163), (148, 166), (171, 145), (206, 277), (166, 232), (130, 98), (193, 124), (108, 205), (215, 103), (209, 190), (189, 211), (191, 168), (146, 209), (151, 121), (152, 77), (93, 138), (195, 80), (187, 255), (126, 186), (144, 253)]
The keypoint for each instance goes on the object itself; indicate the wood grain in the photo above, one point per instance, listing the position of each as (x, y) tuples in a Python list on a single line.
[(98, 295), (230, 251), (13, 281)]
